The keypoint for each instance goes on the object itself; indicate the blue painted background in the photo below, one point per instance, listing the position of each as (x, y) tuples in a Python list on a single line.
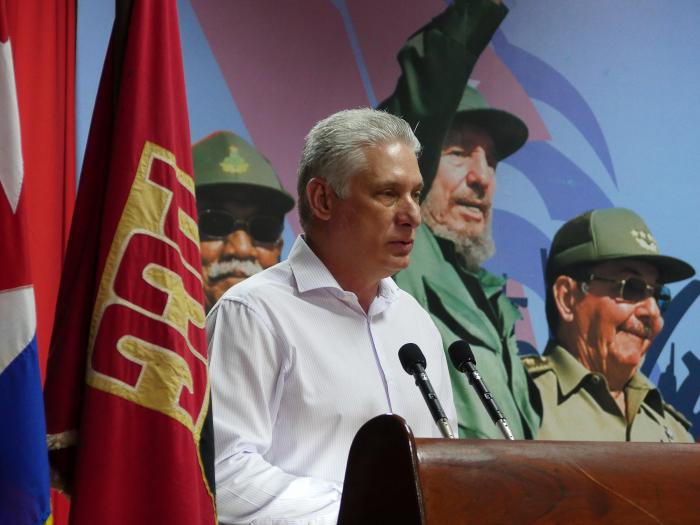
[(614, 83)]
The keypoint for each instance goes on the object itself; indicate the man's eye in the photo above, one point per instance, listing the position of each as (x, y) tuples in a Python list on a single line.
[(387, 197), (416, 196), (457, 153)]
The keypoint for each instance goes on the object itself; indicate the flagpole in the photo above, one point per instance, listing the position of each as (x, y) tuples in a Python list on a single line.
[(122, 16)]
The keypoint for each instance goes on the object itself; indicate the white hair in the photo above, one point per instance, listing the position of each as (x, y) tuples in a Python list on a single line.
[(335, 148)]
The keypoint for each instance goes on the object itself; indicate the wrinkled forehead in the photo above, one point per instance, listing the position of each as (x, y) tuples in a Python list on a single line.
[(624, 268), (389, 162)]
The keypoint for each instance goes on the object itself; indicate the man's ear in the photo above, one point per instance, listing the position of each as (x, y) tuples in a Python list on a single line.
[(320, 196), (565, 292)]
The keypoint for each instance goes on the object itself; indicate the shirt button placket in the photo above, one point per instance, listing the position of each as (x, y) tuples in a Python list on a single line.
[(377, 358)]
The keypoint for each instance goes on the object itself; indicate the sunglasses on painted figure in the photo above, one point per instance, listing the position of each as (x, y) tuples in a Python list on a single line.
[(633, 289), (218, 224)]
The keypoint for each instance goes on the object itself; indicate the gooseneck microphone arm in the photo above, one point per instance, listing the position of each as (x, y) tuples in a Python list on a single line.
[(463, 360), (413, 362)]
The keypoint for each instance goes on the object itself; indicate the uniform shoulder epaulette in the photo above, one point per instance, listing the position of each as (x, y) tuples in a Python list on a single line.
[(536, 364), (678, 415)]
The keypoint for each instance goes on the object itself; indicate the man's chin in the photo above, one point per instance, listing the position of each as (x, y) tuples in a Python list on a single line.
[(630, 350), (398, 263), (466, 229), (474, 250)]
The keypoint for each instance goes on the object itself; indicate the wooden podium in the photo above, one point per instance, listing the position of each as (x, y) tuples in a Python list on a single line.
[(392, 477)]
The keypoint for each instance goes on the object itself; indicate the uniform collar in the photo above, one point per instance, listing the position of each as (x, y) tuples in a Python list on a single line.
[(571, 373), (490, 283), (431, 271), (640, 386)]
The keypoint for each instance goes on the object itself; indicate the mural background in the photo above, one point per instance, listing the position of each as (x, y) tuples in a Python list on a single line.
[(608, 90)]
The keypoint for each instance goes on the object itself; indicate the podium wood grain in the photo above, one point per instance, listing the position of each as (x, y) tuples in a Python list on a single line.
[(394, 478)]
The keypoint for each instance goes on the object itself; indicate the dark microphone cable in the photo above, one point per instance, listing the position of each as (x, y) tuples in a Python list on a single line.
[(413, 362), (463, 360)]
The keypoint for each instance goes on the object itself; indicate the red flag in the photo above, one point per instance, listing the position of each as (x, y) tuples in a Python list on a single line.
[(127, 393)]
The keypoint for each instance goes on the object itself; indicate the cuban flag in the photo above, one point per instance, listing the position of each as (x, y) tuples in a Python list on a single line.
[(24, 470)]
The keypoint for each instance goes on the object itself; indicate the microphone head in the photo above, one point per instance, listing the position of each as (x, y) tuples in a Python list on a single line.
[(461, 354), (410, 356)]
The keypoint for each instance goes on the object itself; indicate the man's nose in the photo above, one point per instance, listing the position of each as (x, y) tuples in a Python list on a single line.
[(479, 172), (649, 310), (239, 244), (409, 213)]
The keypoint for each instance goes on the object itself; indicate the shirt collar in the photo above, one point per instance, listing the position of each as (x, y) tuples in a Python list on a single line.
[(311, 274), (388, 289)]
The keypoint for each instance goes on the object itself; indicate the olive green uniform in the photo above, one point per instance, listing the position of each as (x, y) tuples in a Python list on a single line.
[(436, 63), (578, 406), (473, 307)]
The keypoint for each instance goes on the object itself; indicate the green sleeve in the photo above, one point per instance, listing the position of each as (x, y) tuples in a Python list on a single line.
[(435, 66)]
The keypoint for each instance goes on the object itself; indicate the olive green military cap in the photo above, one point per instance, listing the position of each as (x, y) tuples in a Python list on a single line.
[(223, 161), (609, 234), (508, 132)]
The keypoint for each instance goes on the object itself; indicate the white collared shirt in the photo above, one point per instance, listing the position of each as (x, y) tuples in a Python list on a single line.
[(297, 367)]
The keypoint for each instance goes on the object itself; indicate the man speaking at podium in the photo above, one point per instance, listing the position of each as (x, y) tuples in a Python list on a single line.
[(305, 352)]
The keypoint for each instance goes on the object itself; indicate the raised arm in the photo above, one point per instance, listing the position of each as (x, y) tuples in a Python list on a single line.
[(435, 66)]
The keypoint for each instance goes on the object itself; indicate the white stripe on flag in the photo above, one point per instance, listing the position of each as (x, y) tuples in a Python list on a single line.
[(17, 323), (10, 145)]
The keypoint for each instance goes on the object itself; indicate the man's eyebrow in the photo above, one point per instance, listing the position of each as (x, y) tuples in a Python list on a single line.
[(388, 180), (634, 271), (627, 271)]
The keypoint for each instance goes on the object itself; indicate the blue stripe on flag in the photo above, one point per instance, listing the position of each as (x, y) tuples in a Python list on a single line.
[(24, 467)]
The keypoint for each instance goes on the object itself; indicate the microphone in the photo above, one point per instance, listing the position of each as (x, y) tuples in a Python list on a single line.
[(413, 362), (463, 360)]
